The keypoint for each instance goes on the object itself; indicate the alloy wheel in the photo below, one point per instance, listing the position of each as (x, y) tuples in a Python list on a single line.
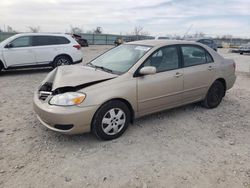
[(113, 121)]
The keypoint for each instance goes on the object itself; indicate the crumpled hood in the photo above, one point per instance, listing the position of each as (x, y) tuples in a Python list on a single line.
[(75, 75)]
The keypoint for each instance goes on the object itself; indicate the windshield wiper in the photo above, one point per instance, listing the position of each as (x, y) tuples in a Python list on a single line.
[(103, 68), (100, 67), (90, 64)]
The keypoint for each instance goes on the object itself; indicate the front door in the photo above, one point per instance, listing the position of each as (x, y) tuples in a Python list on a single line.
[(20, 53), (163, 89)]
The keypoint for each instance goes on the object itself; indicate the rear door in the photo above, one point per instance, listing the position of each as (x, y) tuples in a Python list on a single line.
[(199, 71), (163, 89), (21, 52), (47, 47)]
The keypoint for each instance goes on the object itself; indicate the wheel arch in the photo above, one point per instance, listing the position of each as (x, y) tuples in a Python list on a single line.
[(67, 55), (126, 102)]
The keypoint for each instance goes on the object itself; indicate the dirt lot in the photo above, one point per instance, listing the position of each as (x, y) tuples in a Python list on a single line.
[(184, 147)]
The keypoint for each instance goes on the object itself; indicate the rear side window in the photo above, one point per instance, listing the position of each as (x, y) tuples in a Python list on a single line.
[(164, 59), (209, 58), (62, 40), (49, 40), (21, 42), (193, 55)]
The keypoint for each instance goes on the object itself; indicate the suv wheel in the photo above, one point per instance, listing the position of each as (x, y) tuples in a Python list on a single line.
[(62, 60), (111, 120), (1, 66), (214, 95)]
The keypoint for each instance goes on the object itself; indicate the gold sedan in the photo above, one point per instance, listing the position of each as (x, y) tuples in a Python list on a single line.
[(130, 81)]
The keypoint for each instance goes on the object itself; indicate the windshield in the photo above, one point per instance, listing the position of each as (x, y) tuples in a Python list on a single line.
[(120, 59)]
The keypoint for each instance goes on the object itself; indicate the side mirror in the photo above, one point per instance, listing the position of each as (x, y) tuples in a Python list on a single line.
[(147, 70), (9, 45)]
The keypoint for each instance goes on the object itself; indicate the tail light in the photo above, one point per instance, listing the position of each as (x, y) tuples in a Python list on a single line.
[(78, 46)]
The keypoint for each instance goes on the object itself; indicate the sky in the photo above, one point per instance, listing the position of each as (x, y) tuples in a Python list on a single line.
[(157, 17)]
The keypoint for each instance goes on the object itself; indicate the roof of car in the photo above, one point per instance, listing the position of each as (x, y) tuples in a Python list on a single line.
[(157, 43), (40, 34)]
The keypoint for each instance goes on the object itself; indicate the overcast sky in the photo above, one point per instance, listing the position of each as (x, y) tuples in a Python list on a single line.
[(158, 17)]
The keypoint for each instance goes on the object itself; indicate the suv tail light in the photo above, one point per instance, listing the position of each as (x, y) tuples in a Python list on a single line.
[(77, 46)]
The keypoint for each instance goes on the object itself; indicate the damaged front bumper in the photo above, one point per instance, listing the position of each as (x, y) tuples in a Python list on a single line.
[(68, 120)]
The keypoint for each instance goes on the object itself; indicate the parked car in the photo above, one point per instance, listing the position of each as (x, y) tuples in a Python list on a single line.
[(161, 38), (34, 49), (118, 41), (242, 49), (209, 42), (130, 81), (206, 41), (83, 42)]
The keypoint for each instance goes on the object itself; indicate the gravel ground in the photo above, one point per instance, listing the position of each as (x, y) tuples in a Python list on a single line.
[(188, 146)]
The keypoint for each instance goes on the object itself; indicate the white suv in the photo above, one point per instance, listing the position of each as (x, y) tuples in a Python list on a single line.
[(31, 50)]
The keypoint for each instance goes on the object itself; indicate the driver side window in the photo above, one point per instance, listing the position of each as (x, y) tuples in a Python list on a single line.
[(164, 59), (21, 42)]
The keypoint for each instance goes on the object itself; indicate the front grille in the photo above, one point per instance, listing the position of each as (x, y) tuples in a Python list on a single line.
[(44, 94)]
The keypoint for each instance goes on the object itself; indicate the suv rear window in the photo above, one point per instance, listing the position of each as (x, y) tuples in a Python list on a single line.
[(49, 40)]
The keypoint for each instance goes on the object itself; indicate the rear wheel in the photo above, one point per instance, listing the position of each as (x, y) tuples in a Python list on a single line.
[(214, 95), (62, 60), (111, 120)]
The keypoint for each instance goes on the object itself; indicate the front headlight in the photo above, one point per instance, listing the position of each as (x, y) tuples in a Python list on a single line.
[(67, 99)]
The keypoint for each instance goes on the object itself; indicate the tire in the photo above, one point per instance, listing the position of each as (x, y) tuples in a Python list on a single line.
[(61, 60), (241, 53), (1, 66), (214, 95), (111, 120)]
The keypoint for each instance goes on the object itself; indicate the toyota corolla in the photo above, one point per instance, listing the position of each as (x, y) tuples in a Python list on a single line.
[(130, 81)]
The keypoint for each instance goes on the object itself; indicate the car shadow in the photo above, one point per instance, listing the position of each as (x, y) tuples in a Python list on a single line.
[(25, 71), (91, 140)]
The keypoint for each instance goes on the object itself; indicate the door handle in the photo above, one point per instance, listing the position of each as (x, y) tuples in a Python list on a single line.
[(177, 75), (210, 68)]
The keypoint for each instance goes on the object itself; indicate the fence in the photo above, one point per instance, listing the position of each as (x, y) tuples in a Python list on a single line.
[(99, 39), (108, 39), (5, 35)]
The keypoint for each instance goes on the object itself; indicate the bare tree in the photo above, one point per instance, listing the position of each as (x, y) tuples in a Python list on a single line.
[(34, 29), (138, 30), (75, 30), (199, 35), (10, 29), (98, 30), (227, 37)]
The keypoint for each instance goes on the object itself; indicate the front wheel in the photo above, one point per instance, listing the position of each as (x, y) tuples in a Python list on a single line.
[(214, 95), (111, 120)]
